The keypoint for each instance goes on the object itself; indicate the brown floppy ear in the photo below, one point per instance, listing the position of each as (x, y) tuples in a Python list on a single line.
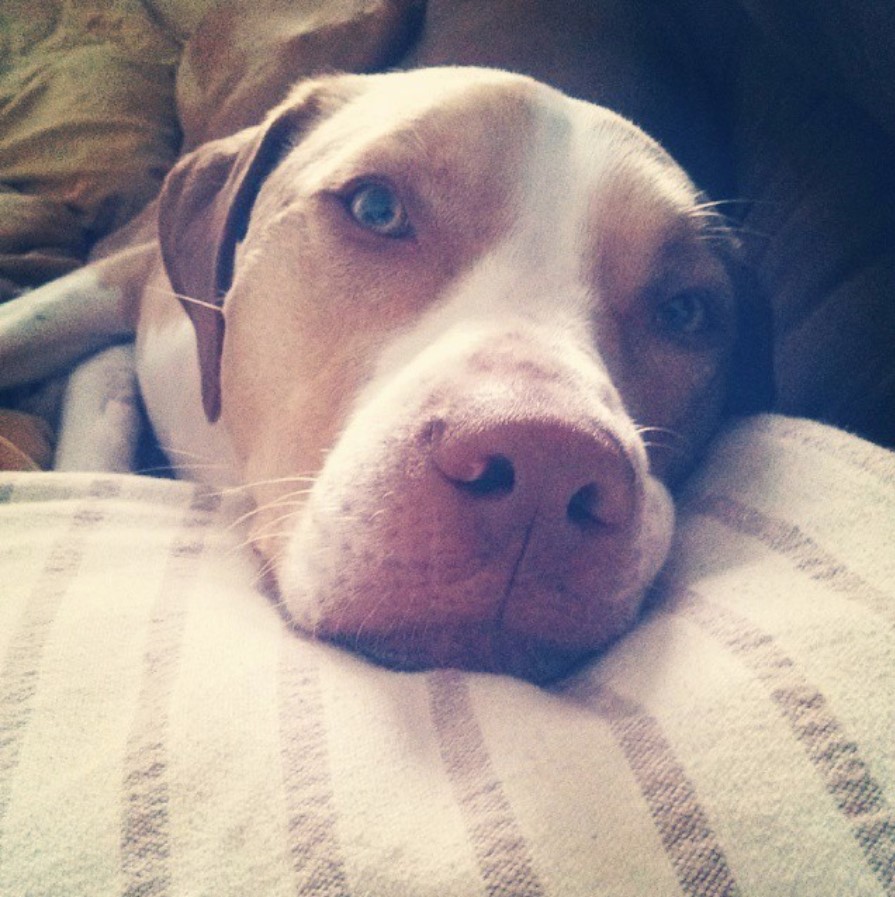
[(751, 388), (204, 210)]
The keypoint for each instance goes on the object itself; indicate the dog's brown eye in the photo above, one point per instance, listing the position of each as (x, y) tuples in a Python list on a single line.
[(684, 314), (377, 208)]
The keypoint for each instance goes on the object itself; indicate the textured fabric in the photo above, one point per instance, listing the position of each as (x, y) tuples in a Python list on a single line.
[(163, 733), (87, 124)]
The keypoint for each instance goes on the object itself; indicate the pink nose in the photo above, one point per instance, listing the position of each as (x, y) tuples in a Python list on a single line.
[(575, 478)]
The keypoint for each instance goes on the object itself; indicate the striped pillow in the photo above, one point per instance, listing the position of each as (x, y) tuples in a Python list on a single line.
[(161, 733)]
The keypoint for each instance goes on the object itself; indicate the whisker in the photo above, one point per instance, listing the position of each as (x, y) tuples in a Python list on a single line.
[(156, 468), (273, 529), (715, 223), (660, 431), (291, 478), (187, 466), (253, 542), (288, 499), (187, 460), (254, 512), (665, 439), (712, 205), (186, 455), (184, 298), (262, 579)]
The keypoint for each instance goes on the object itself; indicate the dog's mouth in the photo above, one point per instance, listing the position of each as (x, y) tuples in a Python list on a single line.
[(410, 617), (479, 647)]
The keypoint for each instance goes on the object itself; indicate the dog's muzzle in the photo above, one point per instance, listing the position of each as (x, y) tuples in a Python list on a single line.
[(493, 515)]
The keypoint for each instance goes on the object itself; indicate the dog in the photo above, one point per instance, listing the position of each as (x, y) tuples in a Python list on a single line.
[(456, 333)]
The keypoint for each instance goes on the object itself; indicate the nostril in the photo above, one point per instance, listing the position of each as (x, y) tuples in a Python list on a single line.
[(469, 461), (607, 502), (492, 476), (584, 508)]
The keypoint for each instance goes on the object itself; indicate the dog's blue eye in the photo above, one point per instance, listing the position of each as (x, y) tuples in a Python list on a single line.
[(684, 314), (377, 208)]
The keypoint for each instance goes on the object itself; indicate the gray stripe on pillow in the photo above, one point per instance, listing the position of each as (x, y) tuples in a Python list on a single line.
[(307, 783), (834, 756), (496, 838), (145, 825), (788, 540), (690, 842), (866, 457)]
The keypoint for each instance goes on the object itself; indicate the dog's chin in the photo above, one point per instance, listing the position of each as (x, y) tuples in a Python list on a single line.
[(411, 618), (476, 648)]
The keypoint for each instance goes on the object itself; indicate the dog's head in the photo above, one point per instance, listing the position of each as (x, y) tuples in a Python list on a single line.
[(463, 332)]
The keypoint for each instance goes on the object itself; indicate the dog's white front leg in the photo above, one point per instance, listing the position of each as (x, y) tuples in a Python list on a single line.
[(101, 418)]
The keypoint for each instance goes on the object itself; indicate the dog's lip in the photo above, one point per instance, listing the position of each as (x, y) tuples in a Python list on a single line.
[(474, 647)]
